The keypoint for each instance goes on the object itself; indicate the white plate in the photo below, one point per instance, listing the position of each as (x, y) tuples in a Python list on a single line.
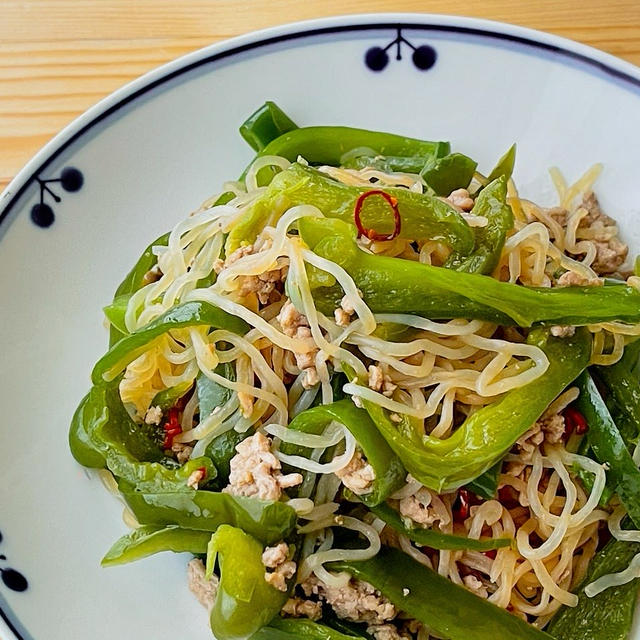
[(152, 152)]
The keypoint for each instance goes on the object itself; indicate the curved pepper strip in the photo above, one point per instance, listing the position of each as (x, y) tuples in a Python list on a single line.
[(608, 446), (327, 145), (245, 601), (187, 314), (266, 520), (607, 616), (265, 125), (150, 539), (394, 285), (489, 240), (103, 435), (484, 437), (433, 538), (504, 167), (423, 216), (296, 628), (449, 610), (389, 472)]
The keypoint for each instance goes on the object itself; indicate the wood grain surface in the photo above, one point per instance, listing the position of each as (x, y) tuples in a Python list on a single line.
[(58, 57)]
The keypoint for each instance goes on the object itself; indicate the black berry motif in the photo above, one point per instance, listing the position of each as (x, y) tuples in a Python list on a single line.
[(71, 180), (12, 579), (423, 57)]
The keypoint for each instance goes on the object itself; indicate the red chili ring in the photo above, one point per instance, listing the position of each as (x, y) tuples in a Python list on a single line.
[(371, 233), (574, 420)]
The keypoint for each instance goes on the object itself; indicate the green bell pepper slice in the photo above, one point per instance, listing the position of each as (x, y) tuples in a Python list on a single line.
[(389, 472), (423, 216), (489, 240), (488, 434), (167, 398), (103, 435), (432, 537), (449, 610), (150, 539), (394, 285), (328, 145), (504, 167), (608, 447), (187, 314), (266, 124), (245, 601), (266, 520), (486, 485), (608, 615)]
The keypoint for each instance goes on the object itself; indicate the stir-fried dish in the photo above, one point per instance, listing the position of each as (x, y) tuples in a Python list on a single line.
[(377, 394)]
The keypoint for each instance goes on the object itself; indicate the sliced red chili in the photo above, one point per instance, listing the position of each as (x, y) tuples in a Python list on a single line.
[(372, 234), (491, 553), (574, 421), (171, 428), (461, 506)]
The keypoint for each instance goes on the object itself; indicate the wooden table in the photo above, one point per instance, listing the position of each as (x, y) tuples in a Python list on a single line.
[(58, 57)]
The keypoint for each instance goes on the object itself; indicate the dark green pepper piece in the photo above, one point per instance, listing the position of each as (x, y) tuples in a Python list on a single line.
[(422, 215), (449, 173), (486, 485), (150, 539), (504, 167), (608, 446), (485, 436), (489, 240), (449, 610), (297, 628), (432, 537), (187, 314), (167, 398), (394, 285), (266, 520), (266, 124), (245, 601), (608, 615)]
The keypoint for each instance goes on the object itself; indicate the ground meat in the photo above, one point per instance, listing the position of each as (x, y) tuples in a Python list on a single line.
[(300, 608), (380, 381), (153, 275), (357, 601), (263, 285), (153, 415), (255, 471), (275, 558), (563, 331), (343, 313), (425, 507), (573, 279), (611, 252), (183, 451), (550, 429), (358, 475), (476, 586), (461, 199), (204, 590), (295, 325)]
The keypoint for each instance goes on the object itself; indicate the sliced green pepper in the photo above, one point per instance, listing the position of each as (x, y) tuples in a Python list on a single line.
[(265, 125), (266, 520), (167, 398), (220, 450), (449, 610), (423, 216), (328, 145), (504, 167), (297, 628), (210, 393), (486, 485), (245, 601), (433, 538), (607, 616), (609, 447), (132, 282), (103, 435), (389, 472), (485, 436), (489, 240), (394, 285), (150, 539), (187, 314)]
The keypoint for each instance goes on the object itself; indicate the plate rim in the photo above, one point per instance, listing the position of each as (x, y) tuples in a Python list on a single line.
[(608, 64)]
